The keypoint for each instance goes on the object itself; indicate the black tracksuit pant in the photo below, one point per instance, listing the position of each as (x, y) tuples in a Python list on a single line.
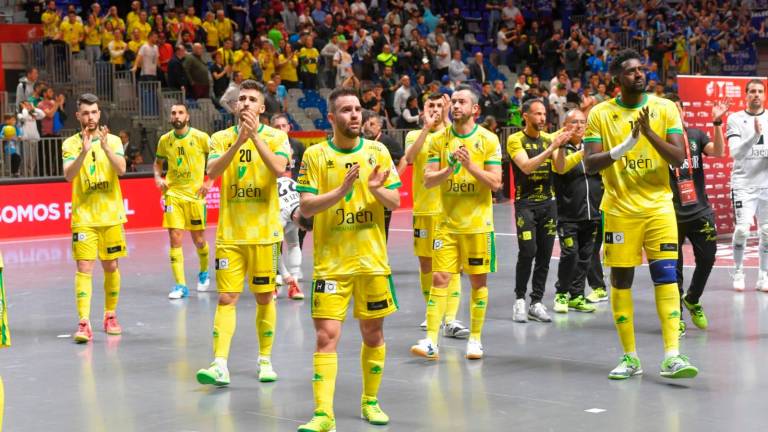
[(536, 231), (703, 237), (577, 244)]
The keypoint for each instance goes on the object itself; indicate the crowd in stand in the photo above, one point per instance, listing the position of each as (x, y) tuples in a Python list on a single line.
[(397, 52)]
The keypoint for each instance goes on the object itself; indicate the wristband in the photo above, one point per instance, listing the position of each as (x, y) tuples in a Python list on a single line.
[(618, 151), (717, 122)]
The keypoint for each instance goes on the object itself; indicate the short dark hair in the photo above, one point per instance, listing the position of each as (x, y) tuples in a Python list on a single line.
[(617, 64), (337, 93), (250, 84), (471, 90), (180, 103), (672, 96), (279, 116), (527, 105), (369, 114), (754, 81), (435, 96), (87, 99)]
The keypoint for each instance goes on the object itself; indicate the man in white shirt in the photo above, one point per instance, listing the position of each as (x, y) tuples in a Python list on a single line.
[(749, 179), (457, 70), (402, 94), (443, 55)]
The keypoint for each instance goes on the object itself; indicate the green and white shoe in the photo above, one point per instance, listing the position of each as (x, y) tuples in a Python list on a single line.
[(320, 422), (597, 295), (371, 412), (215, 375), (579, 304), (697, 314), (561, 303), (266, 372), (678, 367), (629, 366), (682, 329)]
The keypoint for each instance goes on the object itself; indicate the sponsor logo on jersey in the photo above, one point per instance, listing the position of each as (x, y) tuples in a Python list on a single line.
[(222, 263), (378, 305), (668, 247), (614, 238), (96, 186), (461, 187), (353, 220), (261, 280)]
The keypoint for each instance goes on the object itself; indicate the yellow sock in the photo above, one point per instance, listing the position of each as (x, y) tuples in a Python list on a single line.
[(435, 311), (111, 290), (426, 284), (668, 308), (203, 254), (224, 324), (83, 288), (623, 317), (372, 364), (177, 265), (324, 366), (477, 314), (454, 298), (266, 319)]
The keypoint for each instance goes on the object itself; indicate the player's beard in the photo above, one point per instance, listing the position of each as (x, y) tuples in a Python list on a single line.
[(462, 117), (179, 124), (755, 104), (89, 128), (350, 131)]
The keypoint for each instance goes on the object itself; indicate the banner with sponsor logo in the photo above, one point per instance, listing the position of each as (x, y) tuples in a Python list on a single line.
[(699, 94)]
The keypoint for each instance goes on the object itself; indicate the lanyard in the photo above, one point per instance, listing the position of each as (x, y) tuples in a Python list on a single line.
[(687, 156)]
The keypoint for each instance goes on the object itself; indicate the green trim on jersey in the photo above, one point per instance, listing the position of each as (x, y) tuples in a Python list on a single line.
[(433, 160), (282, 154), (640, 105), (392, 290), (458, 135), (593, 139), (346, 151), (674, 131), (177, 136), (492, 239), (394, 186), (492, 162), (306, 189)]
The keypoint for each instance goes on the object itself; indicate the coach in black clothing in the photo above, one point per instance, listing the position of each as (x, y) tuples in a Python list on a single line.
[(695, 217), (578, 196)]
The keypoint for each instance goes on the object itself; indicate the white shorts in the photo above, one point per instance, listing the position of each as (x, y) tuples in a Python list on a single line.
[(748, 203)]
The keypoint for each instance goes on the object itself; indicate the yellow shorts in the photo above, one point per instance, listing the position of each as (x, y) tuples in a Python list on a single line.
[(374, 296), (423, 234), (625, 238), (470, 253), (236, 262), (184, 214), (106, 243)]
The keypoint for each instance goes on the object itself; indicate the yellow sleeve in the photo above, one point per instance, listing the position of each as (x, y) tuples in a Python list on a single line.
[(308, 180), (410, 139), (162, 151), (393, 180), (70, 149), (514, 145), (280, 145), (203, 140), (116, 144), (673, 123), (434, 152), (593, 134), (216, 147), (492, 150), (571, 161)]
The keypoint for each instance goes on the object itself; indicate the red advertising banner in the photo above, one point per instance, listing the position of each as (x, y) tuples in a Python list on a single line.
[(699, 93)]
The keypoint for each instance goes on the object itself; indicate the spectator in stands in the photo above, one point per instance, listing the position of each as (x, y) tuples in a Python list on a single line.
[(197, 73), (500, 100), (225, 27), (164, 55), (50, 106), (557, 101), (271, 103), (373, 130), (281, 91), (328, 53), (442, 55), (114, 19), (72, 32), (458, 70), (10, 143), (517, 96), (132, 153), (117, 48), (287, 66), (653, 72), (402, 94), (494, 8), (387, 57), (142, 25), (282, 122), (177, 78), (486, 100), (243, 60), (410, 114), (308, 62), (92, 38), (342, 61), (133, 15), (477, 69), (26, 87), (228, 100), (28, 117), (211, 32), (147, 59), (220, 76)]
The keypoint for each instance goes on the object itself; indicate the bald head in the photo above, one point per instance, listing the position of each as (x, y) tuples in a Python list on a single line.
[(577, 121)]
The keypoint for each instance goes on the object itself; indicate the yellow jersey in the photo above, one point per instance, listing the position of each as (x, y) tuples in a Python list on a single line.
[(96, 196), (186, 156), (211, 34), (144, 29), (227, 56), (349, 236), (249, 211), (426, 202), (117, 23), (243, 63), (267, 63), (638, 183), (106, 38), (193, 21), (51, 21), (224, 29), (72, 34), (288, 70), (308, 58), (131, 18), (467, 203), (93, 35)]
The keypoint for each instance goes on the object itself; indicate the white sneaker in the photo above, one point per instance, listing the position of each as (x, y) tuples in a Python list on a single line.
[(426, 348), (266, 372), (738, 280), (423, 325), (203, 281), (762, 282), (474, 350), (455, 329), (278, 280), (519, 314)]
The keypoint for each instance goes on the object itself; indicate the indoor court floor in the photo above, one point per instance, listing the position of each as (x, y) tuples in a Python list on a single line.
[(534, 377)]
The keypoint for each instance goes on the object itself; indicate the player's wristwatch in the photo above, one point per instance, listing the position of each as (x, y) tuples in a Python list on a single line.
[(718, 122)]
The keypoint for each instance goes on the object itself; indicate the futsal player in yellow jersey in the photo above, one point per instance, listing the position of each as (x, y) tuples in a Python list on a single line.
[(249, 157), (346, 183), (426, 209), (464, 160), (185, 150), (5, 335), (631, 139), (93, 158)]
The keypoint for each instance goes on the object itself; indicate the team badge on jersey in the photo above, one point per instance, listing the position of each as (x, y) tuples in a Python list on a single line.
[(614, 238)]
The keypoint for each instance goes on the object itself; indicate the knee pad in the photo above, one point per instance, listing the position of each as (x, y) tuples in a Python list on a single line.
[(663, 271), (740, 234)]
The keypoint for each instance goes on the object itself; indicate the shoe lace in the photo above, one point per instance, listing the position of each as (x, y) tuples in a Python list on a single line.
[(697, 311), (628, 360), (373, 405)]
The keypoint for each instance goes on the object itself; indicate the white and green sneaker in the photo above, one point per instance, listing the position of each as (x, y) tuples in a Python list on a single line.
[(320, 422), (579, 304), (597, 295), (561, 303), (629, 366), (371, 412), (266, 372), (216, 374), (678, 367)]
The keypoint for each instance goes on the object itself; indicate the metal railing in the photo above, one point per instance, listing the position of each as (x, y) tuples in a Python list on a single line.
[(31, 158)]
